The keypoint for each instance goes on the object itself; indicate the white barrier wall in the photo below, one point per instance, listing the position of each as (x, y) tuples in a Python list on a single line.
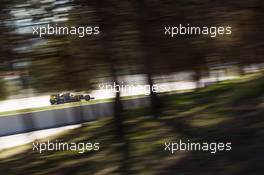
[(22, 123)]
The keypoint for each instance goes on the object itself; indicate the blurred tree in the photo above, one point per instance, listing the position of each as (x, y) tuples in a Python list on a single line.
[(107, 20), (3, 93)]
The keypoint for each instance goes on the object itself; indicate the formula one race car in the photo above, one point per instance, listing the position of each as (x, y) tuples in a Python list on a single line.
[(68, 98)]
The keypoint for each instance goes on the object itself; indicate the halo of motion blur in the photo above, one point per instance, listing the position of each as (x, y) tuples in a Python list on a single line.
[(68, 98)]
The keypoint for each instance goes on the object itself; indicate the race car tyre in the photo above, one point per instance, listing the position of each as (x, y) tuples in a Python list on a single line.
[(87, 97)]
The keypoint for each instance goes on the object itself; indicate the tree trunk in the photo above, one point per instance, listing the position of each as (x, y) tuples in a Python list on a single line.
[(105, 41), (146, 40)]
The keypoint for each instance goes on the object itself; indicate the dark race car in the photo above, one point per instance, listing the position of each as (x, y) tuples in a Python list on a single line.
[(68, 98)]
